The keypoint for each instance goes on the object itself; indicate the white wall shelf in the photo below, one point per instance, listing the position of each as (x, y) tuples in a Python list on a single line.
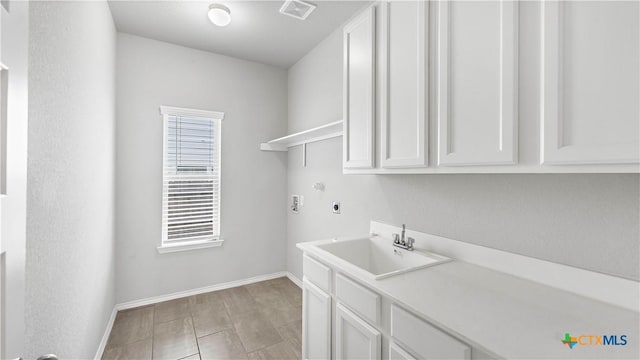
[(323, 132)]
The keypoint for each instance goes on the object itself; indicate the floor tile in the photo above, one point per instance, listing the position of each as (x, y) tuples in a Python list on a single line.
[(270, 296), (204, 302), (281, 315), (171, 310), (255, 331), (292, 292), (239, 301), (279, 280), (221, 345), (174, 339), (128, 314), (255, 288), (137, 350), (206, 298), (131, 326), (279, 351), (210, 318), (192, 357), (260, 320), (292, 332)]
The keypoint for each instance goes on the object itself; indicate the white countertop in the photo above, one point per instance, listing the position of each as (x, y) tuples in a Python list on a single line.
[(504, 315)]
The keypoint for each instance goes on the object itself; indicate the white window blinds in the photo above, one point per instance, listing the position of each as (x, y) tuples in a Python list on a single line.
[(191, 180)]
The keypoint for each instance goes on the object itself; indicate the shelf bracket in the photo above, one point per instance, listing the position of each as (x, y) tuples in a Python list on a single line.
[(304, 155)]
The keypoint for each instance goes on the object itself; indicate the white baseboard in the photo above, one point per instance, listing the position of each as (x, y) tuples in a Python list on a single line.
[(294, 279), (181, 294), (202, 290), (105, 336)]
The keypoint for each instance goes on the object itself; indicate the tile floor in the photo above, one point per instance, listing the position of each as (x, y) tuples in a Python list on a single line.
[(257, 321)]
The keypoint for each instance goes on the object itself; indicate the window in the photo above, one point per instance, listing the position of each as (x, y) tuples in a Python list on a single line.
[(191, 179)]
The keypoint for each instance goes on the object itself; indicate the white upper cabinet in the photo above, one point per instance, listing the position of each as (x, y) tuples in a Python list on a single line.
[(492, 86), (477, 82), (403, 84), (590, 74), (398, 353), (359, 91)]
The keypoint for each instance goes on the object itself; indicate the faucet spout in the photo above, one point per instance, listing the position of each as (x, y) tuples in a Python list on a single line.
[(402, 242)]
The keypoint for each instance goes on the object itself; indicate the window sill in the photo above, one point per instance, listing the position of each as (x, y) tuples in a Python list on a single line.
[(194, 245)]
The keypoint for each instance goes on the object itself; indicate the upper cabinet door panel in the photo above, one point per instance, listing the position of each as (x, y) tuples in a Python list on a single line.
[(359, 91), (590, 77), (404, 84), (477, 84)]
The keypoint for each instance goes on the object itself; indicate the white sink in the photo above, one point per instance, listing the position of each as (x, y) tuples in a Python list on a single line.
[(379, 257)]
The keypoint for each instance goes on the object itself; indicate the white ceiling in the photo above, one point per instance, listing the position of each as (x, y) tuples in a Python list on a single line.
[(257, 32)]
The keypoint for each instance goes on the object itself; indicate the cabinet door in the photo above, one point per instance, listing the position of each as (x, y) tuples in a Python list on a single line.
[(477, 82), (404, 84), (398, 353), (590, 82), (316, 322), (355, 339), (359, 91)]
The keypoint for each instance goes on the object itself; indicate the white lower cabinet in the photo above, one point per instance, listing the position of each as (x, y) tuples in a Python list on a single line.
[(352, 321), (426, 341), (316, 322), (355, 339), (363, 301)]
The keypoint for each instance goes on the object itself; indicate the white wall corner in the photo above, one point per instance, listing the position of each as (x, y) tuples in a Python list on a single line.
[(294, 279)]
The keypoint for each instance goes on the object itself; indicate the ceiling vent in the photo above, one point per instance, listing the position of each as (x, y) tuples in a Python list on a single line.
[(297, 8)]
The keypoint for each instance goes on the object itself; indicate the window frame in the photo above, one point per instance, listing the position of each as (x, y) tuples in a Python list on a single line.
[(216, 117)]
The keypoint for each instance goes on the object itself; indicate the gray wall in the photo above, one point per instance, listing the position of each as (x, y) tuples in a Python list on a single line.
[(70, 272), (13, 207), (587, 221), (253, 206)]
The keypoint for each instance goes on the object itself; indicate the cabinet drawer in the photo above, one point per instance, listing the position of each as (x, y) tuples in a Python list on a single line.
[(358, 298), (426, 341), (317, 273)]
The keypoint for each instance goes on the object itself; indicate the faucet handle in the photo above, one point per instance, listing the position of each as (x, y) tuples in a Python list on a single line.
[(410, 242), (396, 238)]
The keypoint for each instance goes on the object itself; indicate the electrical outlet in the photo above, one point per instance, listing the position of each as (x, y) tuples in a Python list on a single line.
[(335, 207), (295, 203)]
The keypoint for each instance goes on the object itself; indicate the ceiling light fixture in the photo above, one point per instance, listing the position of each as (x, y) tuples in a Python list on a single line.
[(219, 14)]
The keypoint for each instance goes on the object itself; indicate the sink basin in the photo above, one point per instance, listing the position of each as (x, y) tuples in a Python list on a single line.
[(379, 257)]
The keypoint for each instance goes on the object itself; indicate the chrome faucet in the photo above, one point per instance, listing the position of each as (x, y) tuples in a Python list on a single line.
[(403, 243)]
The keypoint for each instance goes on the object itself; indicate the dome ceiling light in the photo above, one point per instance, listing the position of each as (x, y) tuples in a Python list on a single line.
[(219, 14)]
